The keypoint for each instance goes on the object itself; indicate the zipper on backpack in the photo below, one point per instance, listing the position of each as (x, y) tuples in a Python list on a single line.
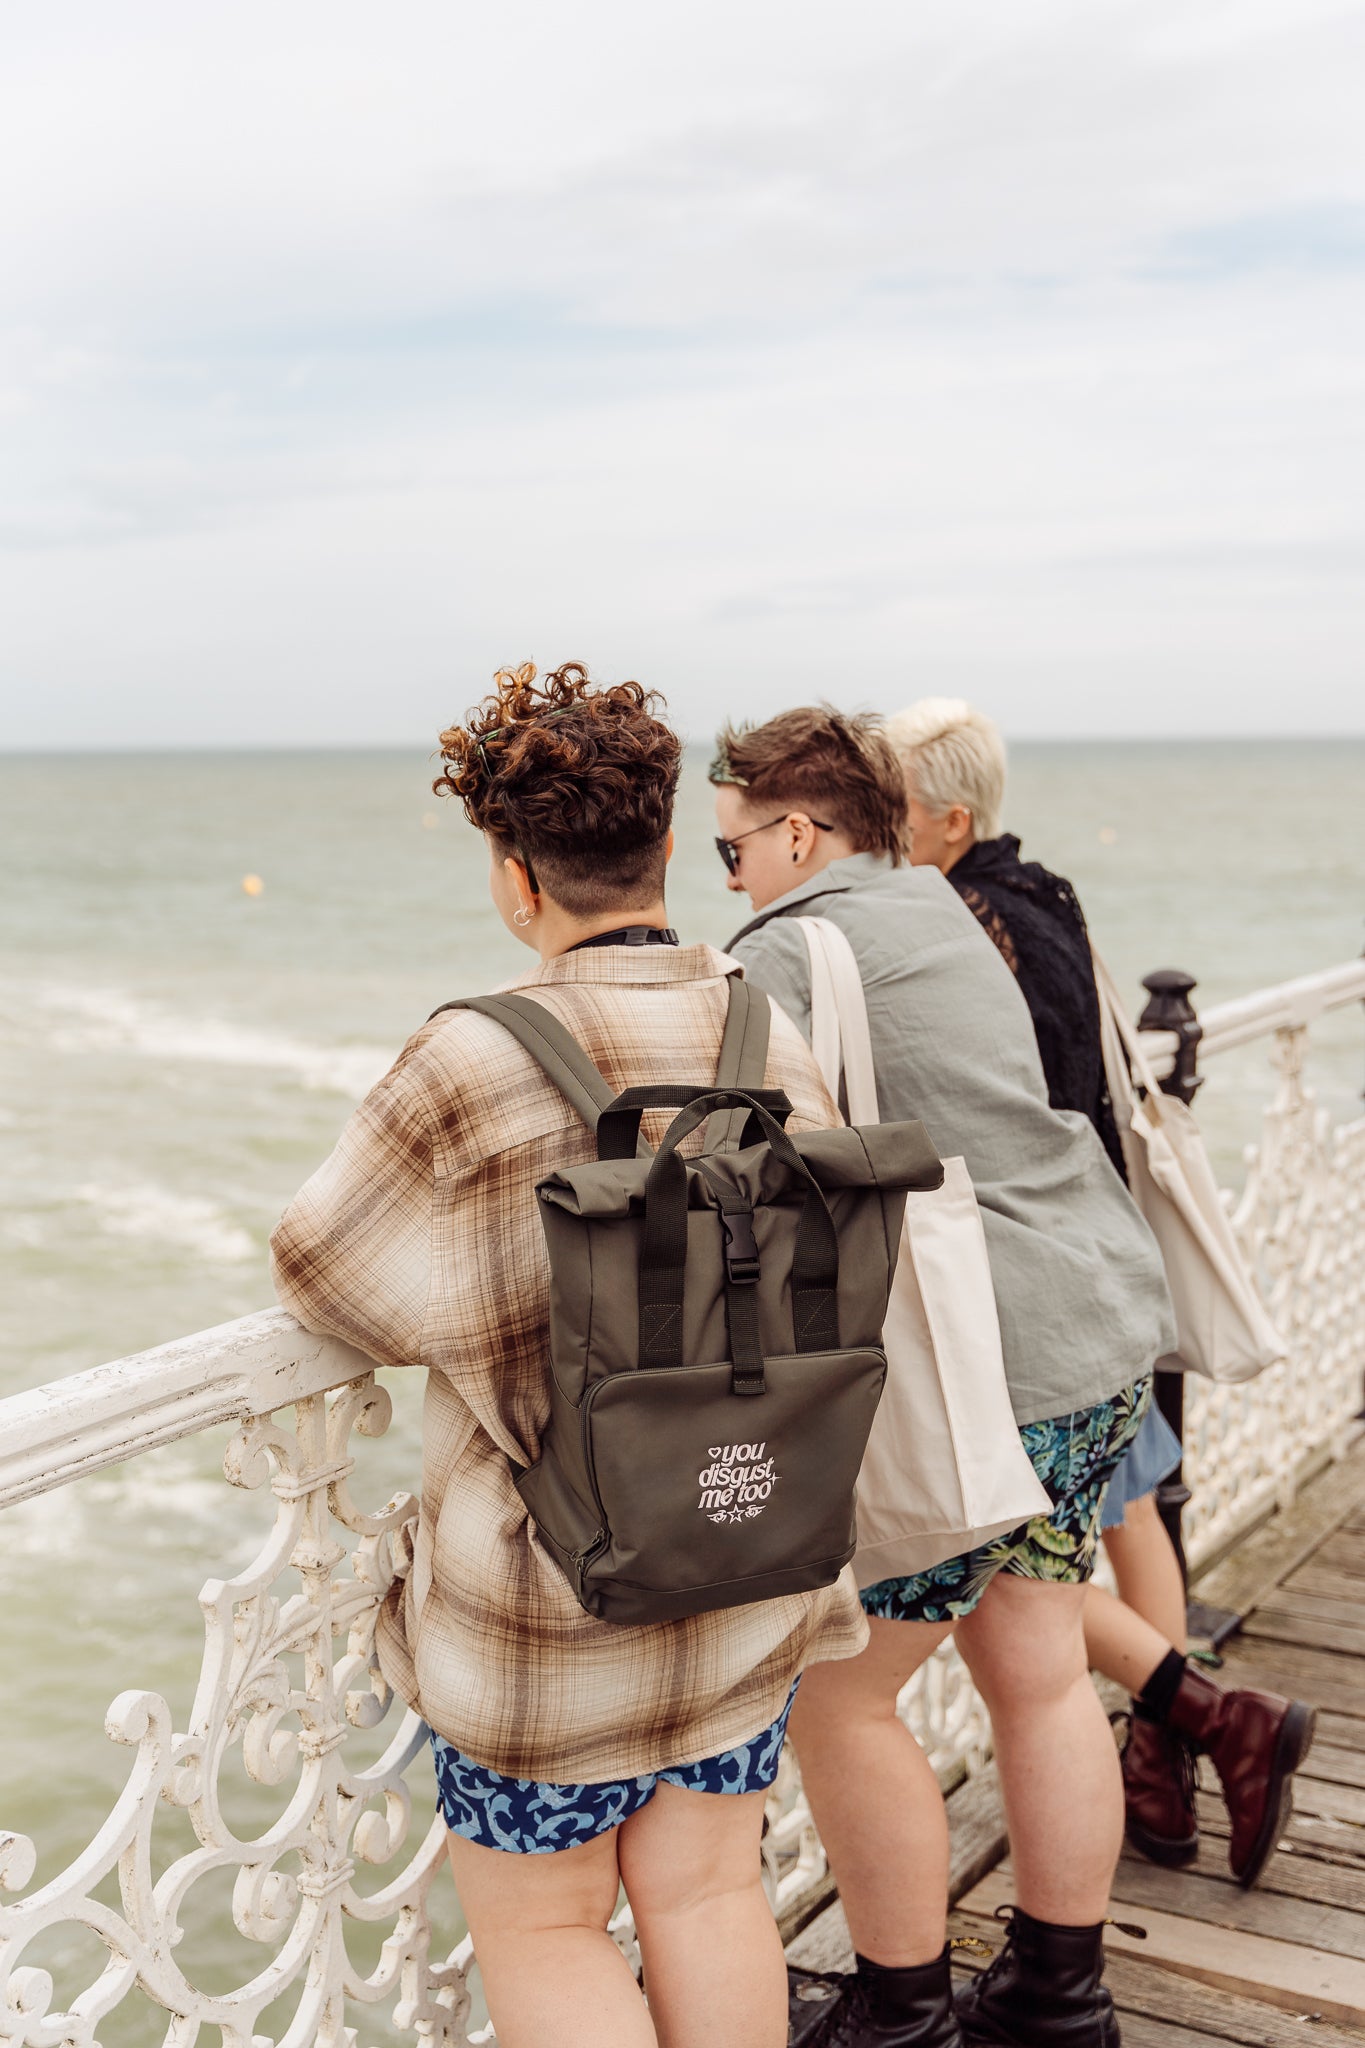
[(598, 1543), (581, 1559)]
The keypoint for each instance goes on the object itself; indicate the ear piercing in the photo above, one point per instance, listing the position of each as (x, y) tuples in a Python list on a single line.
[(522, 916)]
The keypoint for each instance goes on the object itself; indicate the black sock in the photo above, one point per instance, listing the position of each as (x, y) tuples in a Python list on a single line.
[(897, 1988), (1157, 1697)]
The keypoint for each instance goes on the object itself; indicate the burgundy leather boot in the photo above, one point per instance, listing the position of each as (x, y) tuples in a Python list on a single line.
[(1158, 1792), (1256, 1741), (1042, 1991)]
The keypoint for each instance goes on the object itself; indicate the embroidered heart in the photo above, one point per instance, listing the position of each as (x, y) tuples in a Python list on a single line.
[(715, 1450)]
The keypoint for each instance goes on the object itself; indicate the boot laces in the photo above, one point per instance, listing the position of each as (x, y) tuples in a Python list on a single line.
[(849, 2015), (1005, 1915)]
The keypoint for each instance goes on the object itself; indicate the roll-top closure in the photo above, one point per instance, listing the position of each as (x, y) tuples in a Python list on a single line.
[(886, 1157)]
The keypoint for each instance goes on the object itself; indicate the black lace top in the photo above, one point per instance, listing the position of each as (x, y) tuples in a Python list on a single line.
[(1036, 921)]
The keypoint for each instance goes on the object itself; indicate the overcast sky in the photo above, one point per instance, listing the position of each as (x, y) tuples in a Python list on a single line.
[(1013, 348)]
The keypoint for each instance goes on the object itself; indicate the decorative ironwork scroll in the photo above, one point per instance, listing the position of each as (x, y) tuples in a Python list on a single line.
[(1300, 1220), (288, 1674), (289, 1692)]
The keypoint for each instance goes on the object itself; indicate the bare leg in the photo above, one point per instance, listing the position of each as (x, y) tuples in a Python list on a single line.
[(1127, 1638), (714, 1970), (550, 1970), (1059, 1771), (875, 1799)]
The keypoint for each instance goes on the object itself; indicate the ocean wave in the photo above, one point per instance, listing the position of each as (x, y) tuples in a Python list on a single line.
[(160, 1216), (112, 1020)]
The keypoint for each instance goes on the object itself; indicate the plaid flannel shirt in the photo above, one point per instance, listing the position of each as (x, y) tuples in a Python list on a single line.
[(420, 1242)]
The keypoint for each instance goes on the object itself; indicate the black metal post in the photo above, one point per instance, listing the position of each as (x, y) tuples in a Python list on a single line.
[(1169, 1009)]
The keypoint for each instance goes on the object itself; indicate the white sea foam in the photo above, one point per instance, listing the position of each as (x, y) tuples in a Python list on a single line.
[(111, 1019), (160, 1216)]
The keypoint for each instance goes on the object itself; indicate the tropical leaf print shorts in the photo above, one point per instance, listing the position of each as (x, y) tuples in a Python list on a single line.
[(533, 1819), (1074, 1456)]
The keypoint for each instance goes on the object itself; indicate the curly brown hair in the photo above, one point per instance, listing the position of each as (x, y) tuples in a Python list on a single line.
[(826, 761), (575, 778)]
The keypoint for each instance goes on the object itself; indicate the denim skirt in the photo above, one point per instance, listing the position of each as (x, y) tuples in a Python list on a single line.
[(1151, 1457)]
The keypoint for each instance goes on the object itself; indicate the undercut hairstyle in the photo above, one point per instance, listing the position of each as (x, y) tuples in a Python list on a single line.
[(836, 767), (575, 779), (952, 754)]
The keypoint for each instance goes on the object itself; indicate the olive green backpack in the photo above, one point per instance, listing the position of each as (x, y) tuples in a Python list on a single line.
[(715, 1330)]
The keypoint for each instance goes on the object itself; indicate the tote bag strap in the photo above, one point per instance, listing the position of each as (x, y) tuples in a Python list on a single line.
[(826, 1039), (1129, 1038), (839, 1027)]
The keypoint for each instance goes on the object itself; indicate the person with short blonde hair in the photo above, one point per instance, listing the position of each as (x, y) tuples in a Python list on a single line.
[(954, 762)]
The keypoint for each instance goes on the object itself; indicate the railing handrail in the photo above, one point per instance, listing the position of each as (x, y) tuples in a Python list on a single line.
[(58, 1432), (1287, 1006)]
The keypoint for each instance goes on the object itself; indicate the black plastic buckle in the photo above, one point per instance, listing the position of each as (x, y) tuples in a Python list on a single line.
[(741, 1247)]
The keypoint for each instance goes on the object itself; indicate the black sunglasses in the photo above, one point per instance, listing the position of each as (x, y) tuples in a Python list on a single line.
[(728, 848)]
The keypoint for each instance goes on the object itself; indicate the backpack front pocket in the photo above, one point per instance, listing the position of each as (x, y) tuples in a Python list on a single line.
[(710, 1500)]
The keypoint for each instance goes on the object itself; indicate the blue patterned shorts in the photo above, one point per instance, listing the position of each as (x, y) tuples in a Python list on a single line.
[(1075, 1457), (531, 1819)]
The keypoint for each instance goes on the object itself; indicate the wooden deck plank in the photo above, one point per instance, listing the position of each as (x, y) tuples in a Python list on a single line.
[(1333, 1802), (1314, 1792), (1287, 1874), (1294, 1599), (1335, 1841), (1294, 1976), (1326, 1581), (1337, 1766), (1277, 1623), (1222, 1964), (1343, 1550), (1340, 1731), (1279, 1546), (1275, 1916), (1313, 1675)]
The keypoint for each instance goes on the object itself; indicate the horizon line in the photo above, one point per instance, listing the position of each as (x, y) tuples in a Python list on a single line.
[(1147, 738)]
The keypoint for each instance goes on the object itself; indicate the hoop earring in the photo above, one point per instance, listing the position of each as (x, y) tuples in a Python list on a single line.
[(522, 916)]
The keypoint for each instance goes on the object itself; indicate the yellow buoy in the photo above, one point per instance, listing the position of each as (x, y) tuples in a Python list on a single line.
[(252, 885)]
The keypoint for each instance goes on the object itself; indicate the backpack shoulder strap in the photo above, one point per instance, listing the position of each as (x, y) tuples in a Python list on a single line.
[(743, 1061), (555, 1050)]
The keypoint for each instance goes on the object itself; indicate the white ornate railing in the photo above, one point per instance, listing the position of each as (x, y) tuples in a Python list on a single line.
[(288, 1670)]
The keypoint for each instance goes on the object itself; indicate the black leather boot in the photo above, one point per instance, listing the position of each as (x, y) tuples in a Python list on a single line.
[(888, 2008), (1042, 1991)]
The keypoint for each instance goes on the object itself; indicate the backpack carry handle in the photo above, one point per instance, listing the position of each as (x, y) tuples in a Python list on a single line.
[(663, 1256), (618, 1127)]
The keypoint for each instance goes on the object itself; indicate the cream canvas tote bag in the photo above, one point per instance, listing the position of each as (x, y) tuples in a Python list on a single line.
[(1222, 1328), (944, 1468)]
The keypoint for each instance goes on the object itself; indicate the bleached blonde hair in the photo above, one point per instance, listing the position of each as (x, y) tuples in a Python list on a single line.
[(952, 754)]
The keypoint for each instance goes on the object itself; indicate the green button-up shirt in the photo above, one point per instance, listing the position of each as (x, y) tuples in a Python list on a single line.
[(1079, 1284)]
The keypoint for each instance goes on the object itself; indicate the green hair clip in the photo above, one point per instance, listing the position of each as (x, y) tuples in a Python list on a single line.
[(500, 732), (721, 769)]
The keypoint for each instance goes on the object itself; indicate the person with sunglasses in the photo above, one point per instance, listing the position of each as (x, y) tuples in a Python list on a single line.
[(573, 1755), (811, 809)]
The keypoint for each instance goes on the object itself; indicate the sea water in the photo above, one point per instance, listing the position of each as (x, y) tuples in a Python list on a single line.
[(177, 1052)]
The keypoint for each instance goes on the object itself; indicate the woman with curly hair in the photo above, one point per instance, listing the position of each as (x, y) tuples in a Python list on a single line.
[(573, 1755)]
